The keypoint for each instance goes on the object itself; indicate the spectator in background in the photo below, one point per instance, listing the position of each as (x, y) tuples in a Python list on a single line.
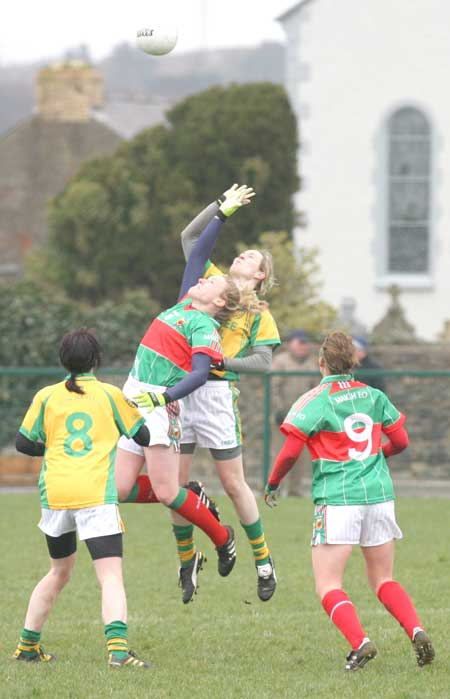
[(366, 362), (295, 355)]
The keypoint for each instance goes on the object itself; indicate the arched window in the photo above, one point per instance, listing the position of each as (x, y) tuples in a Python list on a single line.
[(409, 193)]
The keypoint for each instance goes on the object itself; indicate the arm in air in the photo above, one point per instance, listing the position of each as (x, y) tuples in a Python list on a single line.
[(200, 252)]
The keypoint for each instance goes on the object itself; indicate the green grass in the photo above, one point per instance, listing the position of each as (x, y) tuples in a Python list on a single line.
[(227, 643)]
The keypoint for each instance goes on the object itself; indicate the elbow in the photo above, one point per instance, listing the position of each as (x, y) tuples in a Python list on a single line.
[(19, 443)]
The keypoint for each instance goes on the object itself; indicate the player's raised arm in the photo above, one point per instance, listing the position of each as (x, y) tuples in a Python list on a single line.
[(235, 198), (191, 233)]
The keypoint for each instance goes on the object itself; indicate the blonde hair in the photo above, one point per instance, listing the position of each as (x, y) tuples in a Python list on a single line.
[(266, 266), (339, 352), (232, 297)]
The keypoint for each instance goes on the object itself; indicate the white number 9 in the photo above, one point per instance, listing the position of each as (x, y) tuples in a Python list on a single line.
[(365, 435)]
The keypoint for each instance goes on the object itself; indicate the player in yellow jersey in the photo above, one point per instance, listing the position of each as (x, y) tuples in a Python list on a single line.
[(211, 416), (75, 426)]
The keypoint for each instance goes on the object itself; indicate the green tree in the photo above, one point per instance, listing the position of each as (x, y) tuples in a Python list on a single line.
[(116, 225)]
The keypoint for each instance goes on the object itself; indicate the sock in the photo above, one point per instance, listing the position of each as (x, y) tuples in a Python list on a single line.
[(399, 604), (342, 613), (185, 543), (257, 540), (141, 491), (189, 506), (116, 638), (29, 642)]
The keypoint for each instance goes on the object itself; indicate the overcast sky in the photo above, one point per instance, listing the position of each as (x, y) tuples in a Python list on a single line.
[(46, 28)]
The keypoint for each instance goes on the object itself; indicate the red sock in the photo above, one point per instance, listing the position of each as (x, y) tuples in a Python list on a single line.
[(342, 613), (141, 491), (145, 490), (399, 604), (194, 510)]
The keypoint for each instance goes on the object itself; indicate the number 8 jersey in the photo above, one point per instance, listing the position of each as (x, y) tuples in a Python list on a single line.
[(80, 433), (342, 421)]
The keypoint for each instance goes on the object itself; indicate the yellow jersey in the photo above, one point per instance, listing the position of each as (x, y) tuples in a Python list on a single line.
[(80, 433), (243, 330)]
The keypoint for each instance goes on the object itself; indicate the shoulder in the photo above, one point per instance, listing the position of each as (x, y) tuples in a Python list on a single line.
[(44, 393), (211, 270), (312, 397)]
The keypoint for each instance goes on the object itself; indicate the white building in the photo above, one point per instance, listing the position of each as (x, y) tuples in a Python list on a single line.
[(369, 81)]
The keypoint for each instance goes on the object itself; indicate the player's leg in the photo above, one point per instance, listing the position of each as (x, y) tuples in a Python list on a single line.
[(101, 528), (163, 469), (106, 554), (380, 565), (231, 474), (329, 562), (191, 561), (332, 525), (62, 550), (128, 465)]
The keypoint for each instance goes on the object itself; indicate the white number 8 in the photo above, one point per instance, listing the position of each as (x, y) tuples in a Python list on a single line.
[(365, 435)]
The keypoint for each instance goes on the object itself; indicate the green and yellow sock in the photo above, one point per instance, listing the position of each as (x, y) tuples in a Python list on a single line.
[(257, 540), (184, 535), (29, 642), (117, 638)]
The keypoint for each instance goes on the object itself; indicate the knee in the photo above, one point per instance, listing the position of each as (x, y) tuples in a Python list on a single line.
[(61, 575), (233, 486), (166, 494)]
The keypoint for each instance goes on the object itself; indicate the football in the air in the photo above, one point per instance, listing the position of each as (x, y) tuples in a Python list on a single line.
[(156, 41)]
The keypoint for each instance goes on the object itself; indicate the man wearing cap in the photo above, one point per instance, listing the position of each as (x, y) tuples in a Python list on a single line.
[(294, 355), (366, 362)]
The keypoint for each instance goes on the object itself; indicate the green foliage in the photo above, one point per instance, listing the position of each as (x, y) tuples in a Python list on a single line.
[(294, 300), (32, 321), (226, 643), (117, 224)]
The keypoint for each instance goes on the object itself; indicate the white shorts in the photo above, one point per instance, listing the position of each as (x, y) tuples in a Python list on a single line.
[(211, 417), (164, 424), (363, 525), (89, 522)]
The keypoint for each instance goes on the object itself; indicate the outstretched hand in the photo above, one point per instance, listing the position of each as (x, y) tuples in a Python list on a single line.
[(235, 197)]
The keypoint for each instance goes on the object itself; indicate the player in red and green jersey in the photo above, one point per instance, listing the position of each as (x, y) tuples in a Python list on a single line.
[(211, 416), (75, 426), (342, 422), (172, 360)]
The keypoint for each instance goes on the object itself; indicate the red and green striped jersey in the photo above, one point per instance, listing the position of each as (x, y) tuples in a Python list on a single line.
[(164, 355), (342, 421)]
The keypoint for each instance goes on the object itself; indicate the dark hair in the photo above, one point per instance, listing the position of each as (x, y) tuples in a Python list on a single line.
[(338, 351), (79, 352)]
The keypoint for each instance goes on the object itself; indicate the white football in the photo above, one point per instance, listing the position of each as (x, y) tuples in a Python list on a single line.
[(156, 42)]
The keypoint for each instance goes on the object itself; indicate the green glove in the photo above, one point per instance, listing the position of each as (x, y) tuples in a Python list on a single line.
[(271, 495), (150, 400), (234, 198)]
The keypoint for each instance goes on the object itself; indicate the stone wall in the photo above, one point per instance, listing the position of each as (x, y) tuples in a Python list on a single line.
[(68, 92)]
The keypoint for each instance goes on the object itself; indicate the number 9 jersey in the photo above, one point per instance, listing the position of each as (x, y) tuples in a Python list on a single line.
[(342, 422), (80, 433)]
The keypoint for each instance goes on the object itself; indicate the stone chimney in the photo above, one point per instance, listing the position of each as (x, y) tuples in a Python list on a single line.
[(67, 92)]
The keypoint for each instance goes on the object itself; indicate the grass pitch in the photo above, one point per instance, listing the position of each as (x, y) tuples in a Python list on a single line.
[(227, 643)]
